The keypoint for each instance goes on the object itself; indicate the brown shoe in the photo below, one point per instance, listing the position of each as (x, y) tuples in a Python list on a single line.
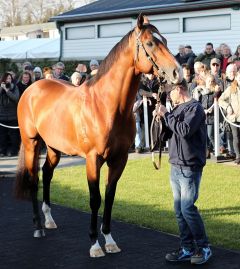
[(237, 161), (138, 150), (222, 150)]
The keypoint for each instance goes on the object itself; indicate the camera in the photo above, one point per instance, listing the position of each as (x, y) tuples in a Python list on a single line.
[(8, 85)]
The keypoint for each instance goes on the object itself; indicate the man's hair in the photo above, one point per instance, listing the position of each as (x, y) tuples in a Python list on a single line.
[(209, 44), (188, 47), (183, 85), (186, 66)]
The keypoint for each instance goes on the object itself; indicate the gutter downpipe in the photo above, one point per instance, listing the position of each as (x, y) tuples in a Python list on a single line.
[(59, 25)]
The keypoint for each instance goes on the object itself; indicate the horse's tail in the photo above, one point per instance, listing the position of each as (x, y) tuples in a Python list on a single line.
[(23, 184)]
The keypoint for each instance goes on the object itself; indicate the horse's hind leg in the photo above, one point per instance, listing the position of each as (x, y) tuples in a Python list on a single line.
[(116, 168), (52, 160), (93, 165), (32, 148)]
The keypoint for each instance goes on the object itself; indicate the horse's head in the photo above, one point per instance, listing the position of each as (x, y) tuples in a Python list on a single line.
[(152, 54)]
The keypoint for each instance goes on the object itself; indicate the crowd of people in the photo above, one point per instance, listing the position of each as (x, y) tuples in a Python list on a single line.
[(209, 75), (13, 85), (213, 74)]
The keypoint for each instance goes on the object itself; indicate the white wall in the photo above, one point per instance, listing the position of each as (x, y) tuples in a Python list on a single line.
[(54, 33), (85, 49)]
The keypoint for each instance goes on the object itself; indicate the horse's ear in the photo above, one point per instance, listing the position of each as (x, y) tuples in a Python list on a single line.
[(145, 20), (140, 21)]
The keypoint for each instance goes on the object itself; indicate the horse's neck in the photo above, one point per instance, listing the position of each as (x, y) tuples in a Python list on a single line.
[(121, 85)]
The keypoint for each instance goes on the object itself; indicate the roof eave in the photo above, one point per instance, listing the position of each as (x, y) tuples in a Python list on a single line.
[(149, 11)]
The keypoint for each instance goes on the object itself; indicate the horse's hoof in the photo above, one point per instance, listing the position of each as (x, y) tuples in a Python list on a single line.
[(39, 233), (50, 225), (112, 248), (96, 253)]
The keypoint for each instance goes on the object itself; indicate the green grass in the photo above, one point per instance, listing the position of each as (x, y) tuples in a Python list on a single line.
[(144, 197)]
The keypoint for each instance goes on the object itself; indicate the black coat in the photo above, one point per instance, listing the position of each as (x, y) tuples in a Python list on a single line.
[(8, 104)]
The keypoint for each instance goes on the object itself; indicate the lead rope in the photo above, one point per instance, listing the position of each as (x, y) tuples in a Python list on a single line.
[(157, 118), (8, 126), (161, 75)]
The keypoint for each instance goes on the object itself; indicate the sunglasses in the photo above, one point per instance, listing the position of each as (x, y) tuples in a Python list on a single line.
[(215, 64)]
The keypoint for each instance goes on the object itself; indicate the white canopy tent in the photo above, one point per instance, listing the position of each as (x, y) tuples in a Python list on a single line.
[(39, 48)]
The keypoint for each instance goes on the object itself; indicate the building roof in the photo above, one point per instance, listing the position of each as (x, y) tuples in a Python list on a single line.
[(25, 29), (108, 9)]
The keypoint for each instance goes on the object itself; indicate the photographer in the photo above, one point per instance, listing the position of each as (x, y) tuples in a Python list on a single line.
[(9, 96)]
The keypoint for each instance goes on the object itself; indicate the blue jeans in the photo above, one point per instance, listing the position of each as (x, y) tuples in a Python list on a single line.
[(185, 187), (138, 137), (236, 139), (210, 137)]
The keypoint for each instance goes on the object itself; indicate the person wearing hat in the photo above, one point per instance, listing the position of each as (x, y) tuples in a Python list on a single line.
[(187, 156), (215, 70), (58, 71), (26, 66), (94, 65)]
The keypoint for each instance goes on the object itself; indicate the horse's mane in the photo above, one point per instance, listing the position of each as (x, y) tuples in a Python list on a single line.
[(116, 50), (111, 58)]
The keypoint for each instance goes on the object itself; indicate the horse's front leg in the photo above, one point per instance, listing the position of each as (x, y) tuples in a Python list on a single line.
[(93, 165), (116, 168), (52, 160)]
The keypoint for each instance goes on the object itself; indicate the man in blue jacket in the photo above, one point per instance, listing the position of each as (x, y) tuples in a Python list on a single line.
[(187, 156)]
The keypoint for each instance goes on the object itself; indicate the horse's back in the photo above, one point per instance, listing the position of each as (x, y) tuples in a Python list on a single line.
[(47, 109)]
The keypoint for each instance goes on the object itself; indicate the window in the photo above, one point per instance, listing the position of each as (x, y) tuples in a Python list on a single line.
[(207, 23), (114, 30), (81, 32), (167, 26)]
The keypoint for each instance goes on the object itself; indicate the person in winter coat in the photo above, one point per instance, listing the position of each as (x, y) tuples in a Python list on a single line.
[(25, 80), (190, 56), (208, 54), (9, 96), (209, 93), (180, 57), (230, 101), (187, 156)]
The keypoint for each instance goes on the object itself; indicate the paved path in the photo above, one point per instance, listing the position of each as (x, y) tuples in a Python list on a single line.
[(9, 164), (68, 246)]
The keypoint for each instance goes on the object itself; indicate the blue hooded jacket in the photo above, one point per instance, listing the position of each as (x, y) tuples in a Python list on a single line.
[(187, 144)]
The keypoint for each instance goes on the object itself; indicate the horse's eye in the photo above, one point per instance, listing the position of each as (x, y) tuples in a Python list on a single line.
[(150, 43)]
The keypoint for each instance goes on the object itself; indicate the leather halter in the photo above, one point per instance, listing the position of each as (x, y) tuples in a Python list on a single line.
[(161, 76), (139, 44)]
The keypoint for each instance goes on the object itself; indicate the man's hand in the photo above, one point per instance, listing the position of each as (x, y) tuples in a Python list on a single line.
[(229, 110), (154, 95), (162, 110)]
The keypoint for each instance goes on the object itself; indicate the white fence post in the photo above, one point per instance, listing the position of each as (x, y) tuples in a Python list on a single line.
[(145, 113), (216, 128)]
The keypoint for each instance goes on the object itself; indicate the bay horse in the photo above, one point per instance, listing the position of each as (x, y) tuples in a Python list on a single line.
[(94, 121)]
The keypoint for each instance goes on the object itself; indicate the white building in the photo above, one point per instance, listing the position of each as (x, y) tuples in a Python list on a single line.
[(30, 31), (92, 30)]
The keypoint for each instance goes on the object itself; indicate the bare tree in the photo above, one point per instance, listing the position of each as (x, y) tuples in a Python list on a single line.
[(11, 12), (17, 12)]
